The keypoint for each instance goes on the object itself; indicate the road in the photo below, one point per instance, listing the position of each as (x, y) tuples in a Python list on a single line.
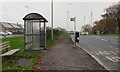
[(103, 48)]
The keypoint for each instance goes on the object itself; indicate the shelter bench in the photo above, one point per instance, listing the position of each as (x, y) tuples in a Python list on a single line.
[(4, 47)]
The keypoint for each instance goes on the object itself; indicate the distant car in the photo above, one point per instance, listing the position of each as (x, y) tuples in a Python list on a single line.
[(71, 33), (2, 33), (5, 33), (9, 33), (85, 33)]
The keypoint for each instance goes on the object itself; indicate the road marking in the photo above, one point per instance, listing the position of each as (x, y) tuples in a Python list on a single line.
[(118, 52), (104, 53), (116, 48), (114, 58), (113, 52), (92, 36), (114, 42), (103, 39), (95, 37), (110, 46)]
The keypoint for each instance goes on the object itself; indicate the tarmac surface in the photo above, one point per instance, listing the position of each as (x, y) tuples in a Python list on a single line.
[(103, 48), (62, 56)]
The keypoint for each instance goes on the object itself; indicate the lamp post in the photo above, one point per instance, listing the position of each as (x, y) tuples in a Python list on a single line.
[(91, 21), (52, 19), (74, 19), (67, 20), (27, 8)]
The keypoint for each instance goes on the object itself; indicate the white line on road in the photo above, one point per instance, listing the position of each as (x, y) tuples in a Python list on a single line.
[(103, 39), (114, 42), (113, 52), (110, 46)]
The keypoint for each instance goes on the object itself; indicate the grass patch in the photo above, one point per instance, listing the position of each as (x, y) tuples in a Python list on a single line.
[(18, 43), (66, 35), (117, 34), (50, 42)]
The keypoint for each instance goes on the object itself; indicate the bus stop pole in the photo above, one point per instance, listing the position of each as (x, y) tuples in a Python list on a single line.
[(52, 19), (74, 31)]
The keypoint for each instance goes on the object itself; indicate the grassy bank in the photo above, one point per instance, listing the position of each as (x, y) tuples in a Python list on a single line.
[(50, 42), (18, 43), (66, 35), (118, 34)]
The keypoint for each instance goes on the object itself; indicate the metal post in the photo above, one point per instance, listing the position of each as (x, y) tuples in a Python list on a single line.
[(74, 31), (67, 20), (91, 22), (27, 8), (52, 19), (84, 20), (74, 19)]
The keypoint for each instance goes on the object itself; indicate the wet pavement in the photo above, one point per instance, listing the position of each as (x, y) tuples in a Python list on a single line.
[(62, 56)]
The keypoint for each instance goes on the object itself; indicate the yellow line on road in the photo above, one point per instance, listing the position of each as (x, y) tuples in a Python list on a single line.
[(113, 58)]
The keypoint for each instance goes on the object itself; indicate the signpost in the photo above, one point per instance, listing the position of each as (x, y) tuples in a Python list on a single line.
[(74, 19)]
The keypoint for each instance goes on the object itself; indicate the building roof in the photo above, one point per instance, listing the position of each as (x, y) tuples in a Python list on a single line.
[(11, 25), (5, 24), (22, 26), (14, 25), (35, 16)]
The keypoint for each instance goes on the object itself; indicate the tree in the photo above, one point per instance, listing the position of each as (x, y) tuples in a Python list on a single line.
[(86, 28), (110, 23), (112, 18)]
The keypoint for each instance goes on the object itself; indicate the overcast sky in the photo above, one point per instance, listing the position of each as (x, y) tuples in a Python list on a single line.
[(14, 11)]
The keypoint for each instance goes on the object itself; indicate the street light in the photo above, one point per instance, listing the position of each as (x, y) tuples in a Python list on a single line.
[(91, 21), (52, 19), (74, 19), (67, 20), (27, 8)]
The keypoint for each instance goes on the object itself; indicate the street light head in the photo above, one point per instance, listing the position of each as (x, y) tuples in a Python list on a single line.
[(26, 6)]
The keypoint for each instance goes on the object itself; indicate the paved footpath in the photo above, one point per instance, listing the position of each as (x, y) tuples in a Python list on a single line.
[(62, 56)]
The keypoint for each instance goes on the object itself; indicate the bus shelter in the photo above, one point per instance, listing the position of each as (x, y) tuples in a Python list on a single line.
[(34, 32)]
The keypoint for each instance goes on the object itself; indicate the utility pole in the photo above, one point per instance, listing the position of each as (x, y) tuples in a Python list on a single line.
[(74, 30), (91, 22), (67, 21), (74, 19), (7, 17), (84, 20), (52, 19), (27, 8), (84, 26)]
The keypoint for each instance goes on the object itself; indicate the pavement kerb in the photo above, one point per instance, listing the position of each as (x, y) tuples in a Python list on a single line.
[(91, 55)]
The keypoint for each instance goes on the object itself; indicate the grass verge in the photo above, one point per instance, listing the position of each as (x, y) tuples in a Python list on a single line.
[(66, 35), (118, 34), (18, 43)]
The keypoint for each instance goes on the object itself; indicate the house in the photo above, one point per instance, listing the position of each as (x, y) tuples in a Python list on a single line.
[(6, 26), (12, 27)]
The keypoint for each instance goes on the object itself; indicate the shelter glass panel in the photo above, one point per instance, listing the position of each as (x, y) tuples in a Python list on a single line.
[(29, 27), (42, 35), (29, 42), (36, 28), (36, 43)]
